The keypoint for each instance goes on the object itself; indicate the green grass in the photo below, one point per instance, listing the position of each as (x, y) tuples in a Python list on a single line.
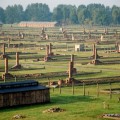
[(77, 106)]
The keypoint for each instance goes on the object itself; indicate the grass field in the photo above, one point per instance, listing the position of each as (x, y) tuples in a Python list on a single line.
[(77, 106)]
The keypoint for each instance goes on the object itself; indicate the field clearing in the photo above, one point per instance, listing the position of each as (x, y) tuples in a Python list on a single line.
[(77, 106)]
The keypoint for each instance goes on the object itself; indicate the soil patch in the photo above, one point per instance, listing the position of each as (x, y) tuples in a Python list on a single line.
[(53, 110)]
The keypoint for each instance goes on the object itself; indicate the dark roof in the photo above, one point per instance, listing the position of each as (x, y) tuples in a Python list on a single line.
[(21, 86), (18, 84), (22, 89)]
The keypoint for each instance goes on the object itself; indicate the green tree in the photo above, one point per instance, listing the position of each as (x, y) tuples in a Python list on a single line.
[(2, 15), (73, 15), (57, 14), (65, 14), (106, 18), (116, 14), (98, 13), (14, 14), (83, 14), (38, 12)]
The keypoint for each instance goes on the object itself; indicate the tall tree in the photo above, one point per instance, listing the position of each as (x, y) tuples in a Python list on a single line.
[(65, 14), (14, 14), (38, 12), (2, 15), (83, 14), (116, 14), (57, 15), (97, 13), (73, 15)]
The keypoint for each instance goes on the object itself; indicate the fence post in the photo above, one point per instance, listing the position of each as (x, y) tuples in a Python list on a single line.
[(110, 91), (72, 87), (97, 90), (60, 89), (83, 89)]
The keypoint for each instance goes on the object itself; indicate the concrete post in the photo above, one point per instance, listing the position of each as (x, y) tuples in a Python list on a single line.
[(101, 37), (17, 58), (94, 49), (95, 54), (117, 47), (50, 48), (73, 38), (47, 50), (22, 35), (72, 60), (8, 42), (46, 37), (70, 69)]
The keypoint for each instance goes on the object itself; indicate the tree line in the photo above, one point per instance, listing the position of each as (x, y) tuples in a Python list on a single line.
[(94, 14)]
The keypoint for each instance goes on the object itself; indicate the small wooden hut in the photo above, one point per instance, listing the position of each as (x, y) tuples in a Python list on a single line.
[(23, 93)]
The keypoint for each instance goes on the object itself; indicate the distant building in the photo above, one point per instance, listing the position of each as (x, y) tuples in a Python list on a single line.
[(37, 24), (79, 47)]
